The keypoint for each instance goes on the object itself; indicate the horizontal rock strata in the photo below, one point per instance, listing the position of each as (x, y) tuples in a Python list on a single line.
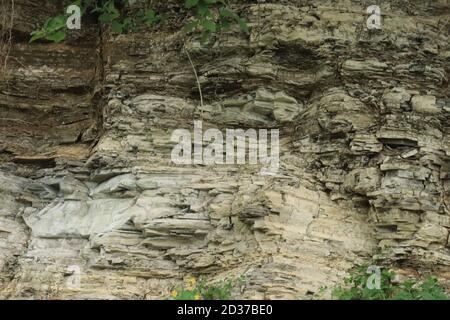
[(87, 184)]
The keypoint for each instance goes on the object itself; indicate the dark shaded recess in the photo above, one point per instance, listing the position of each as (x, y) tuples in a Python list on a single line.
[(296, 57), (41, 162)]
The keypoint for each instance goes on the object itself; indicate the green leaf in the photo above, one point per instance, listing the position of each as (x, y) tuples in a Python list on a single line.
[(55, 23), (190, 26), (108, 17), (209, 25), (226, 13), (56, 37), (97, 9), (104, 18), (128, 24), (117, 27), (225, 25), (190, 3), (205, 37), (36, 35), (203, 10), (243, 25), (110, 6), (150, 18), (150, 14)]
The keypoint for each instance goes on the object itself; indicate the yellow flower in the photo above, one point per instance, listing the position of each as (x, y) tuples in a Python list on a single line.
[(191, 283), (197, 297), (174, 294)]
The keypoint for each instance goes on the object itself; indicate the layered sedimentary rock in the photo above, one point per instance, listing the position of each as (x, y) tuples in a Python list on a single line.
[(88, 188)]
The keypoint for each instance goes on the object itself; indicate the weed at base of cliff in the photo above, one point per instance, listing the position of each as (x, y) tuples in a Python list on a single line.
[(355, 288), (199, 290)]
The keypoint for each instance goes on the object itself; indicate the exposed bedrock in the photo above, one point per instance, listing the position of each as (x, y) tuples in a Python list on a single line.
[(86, 181)]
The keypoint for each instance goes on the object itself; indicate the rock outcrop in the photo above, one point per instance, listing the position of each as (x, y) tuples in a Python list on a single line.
[(86, 180)]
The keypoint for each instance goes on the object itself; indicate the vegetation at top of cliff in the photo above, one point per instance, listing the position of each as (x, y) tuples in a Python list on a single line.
[(355, 287), (205, 16)]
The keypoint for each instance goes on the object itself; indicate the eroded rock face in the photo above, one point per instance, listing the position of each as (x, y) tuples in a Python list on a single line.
[(86, 178)]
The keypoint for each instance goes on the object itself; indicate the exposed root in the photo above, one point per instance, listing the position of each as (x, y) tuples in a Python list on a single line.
[(196, 77)]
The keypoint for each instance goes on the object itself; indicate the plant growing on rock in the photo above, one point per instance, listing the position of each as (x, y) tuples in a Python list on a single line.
[(211, 16), (204, 16), (199, 290), (355, 288)]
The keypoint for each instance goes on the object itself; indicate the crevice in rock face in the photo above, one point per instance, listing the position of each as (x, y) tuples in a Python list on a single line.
[(98, 96)]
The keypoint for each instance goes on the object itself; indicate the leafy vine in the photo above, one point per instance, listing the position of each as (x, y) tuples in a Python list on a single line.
[(204, 16)]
